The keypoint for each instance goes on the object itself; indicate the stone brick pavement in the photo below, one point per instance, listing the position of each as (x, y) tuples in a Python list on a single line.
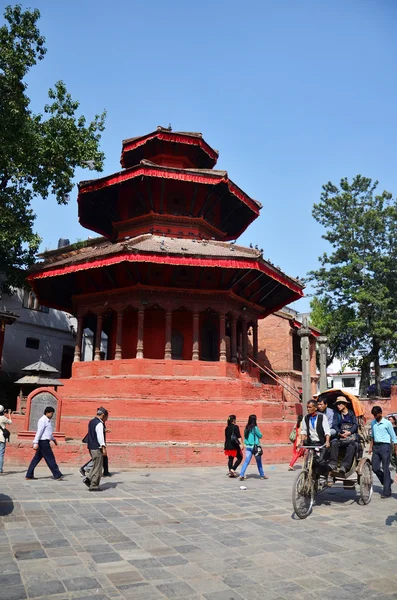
[(190, 534)]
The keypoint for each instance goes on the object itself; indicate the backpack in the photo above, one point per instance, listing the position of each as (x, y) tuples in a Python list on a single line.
[(6, 433)]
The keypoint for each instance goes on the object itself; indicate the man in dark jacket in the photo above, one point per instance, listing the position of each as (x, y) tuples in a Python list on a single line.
[(97, 447), (315, 431), (346, 427)]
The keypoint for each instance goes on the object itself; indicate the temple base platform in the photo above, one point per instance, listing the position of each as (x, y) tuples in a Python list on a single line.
[(164, 412)]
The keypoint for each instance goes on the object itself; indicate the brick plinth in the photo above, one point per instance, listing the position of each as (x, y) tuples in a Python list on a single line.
[(162, 414)]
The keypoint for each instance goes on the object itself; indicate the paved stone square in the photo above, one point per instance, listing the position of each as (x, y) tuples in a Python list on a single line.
[(190, 534)]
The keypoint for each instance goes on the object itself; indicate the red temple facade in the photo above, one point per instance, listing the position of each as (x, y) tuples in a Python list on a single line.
[(177, 298)]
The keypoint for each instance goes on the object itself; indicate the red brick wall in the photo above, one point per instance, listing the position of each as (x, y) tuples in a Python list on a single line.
[(275, 343)]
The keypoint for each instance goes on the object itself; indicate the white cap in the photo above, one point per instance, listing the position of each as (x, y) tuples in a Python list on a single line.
[(1, 408)]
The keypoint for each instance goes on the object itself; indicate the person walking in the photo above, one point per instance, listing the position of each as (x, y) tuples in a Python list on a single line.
[(4, 420), (233, 445), (393, 456), (97, 447), (297, 452), (41, 443), (252, 436), (85, 469), (381, 439)]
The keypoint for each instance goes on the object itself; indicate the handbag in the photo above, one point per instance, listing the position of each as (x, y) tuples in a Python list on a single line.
[(6, 433), (257, 449), (234, 438), (292, 435)]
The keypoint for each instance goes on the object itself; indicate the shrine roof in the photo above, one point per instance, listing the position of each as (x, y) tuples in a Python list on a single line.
[(149, 168), (93, 254), (190, 143), (101, 247)]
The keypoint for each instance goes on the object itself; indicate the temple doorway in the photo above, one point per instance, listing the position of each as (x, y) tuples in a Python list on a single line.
[(209, 346)]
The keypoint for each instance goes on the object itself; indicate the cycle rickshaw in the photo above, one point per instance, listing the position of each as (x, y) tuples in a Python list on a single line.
[(308, 483)]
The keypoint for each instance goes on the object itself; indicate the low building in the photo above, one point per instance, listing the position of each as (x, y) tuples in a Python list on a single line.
[(38, 333)]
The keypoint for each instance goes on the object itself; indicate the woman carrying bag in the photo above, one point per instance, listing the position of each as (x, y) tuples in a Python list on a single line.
[(252, 437), (233, 445)]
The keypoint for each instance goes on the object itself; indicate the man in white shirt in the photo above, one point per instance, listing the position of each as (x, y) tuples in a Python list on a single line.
[(44, 435), (4, 420)]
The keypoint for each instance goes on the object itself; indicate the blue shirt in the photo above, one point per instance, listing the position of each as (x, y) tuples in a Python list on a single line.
[(382, 431)]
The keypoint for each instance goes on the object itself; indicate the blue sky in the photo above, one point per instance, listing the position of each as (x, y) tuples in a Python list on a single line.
[(292, 94)]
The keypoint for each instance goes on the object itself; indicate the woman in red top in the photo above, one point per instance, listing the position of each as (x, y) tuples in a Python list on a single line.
[(296, 453), (233, 445)]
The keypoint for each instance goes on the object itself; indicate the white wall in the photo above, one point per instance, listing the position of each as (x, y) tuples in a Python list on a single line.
[(52, 329)]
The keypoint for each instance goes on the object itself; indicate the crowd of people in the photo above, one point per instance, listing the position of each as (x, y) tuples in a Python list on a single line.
[(329, 429), (332, 430)]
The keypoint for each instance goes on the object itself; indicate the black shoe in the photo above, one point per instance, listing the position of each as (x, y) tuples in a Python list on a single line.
[(82, 472), (87, 481), (107, 475), (332, 466), (28, 478), (383, 496), (61, 478), (342, 470), (95, 490)]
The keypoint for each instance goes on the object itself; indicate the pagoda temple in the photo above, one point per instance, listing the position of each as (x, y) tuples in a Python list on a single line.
[(174, 294)]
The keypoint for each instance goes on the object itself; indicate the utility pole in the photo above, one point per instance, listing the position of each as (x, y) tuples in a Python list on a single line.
[(304, 334), (322, 350)]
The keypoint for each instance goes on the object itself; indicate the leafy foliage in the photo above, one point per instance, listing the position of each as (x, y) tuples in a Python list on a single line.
[(38, 152), (356, 304)]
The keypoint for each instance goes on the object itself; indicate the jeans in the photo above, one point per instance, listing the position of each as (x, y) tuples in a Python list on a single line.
[(2, 451), (248, 456), (381, 456), (44, 451)]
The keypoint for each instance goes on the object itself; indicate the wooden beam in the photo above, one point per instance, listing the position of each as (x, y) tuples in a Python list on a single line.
[(149, 190), (162, 196), (205, 203), (240, 278), (251, 282), (110, 276), (264, 286), (193, 199), (268, 294)]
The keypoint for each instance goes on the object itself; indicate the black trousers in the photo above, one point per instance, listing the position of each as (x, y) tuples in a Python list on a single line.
[(239, 458), (349, 454), (380, 465), (44, 451)]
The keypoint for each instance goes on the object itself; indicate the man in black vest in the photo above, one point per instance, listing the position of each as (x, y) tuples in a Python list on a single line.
[(97, 447), (315, 431)]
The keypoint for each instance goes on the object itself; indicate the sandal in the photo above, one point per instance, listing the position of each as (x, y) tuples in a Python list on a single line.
[(291, 469)]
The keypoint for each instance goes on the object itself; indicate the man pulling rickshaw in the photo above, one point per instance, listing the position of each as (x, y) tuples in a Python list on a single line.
[(347, 445)]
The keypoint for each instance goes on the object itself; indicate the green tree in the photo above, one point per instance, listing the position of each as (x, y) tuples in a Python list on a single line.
[(335, 324), (38, 152), (356, 284)]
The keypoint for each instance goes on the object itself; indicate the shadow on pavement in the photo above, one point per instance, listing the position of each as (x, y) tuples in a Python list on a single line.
[(109, 485), (6, 505)]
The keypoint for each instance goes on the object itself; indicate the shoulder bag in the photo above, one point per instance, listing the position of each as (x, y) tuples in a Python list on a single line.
[(234, 437), (257, 449), (292, 435), (6, 433)]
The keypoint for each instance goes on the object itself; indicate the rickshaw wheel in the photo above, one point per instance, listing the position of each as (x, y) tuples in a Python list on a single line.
[(303, 494), (366, 483)]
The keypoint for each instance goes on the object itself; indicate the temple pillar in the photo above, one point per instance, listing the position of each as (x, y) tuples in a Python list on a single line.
[(98, 336), (244, 329), (304, 334), (118, 355), (196, 344), (322, 350), (168, 334), (234, 338), (79, 339), (255, 340), (222, 337), (139, 346)]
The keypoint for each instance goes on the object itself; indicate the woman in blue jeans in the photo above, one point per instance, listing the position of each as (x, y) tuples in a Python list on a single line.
[(252, 436)]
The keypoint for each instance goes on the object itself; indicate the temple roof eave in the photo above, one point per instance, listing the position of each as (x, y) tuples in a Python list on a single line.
[(150, 169)]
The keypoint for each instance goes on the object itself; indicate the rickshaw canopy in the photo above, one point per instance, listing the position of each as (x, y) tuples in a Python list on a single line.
[(333, 393)]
